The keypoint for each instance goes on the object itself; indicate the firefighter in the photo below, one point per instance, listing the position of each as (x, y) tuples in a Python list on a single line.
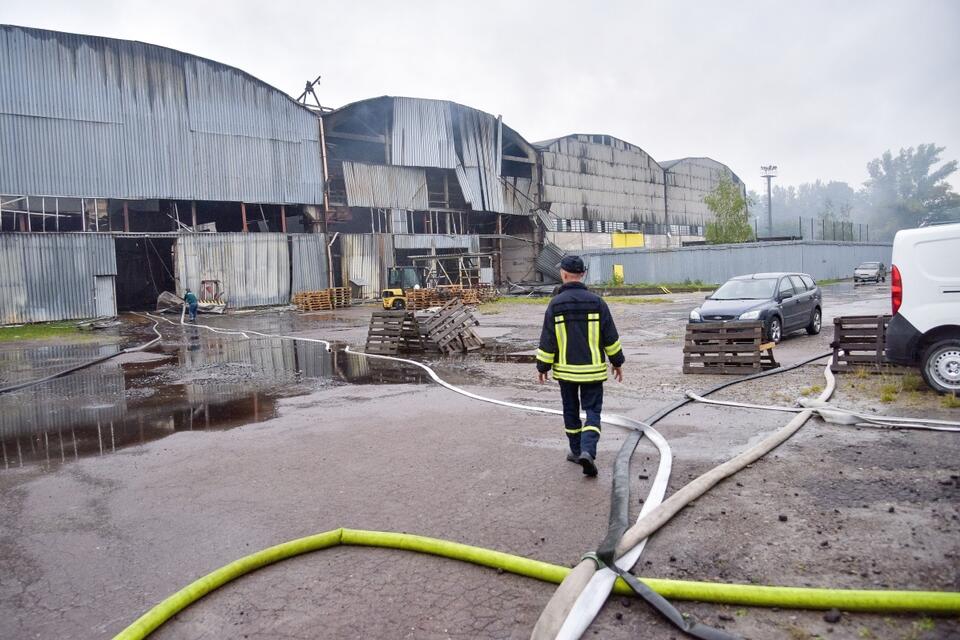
[(578, 331)]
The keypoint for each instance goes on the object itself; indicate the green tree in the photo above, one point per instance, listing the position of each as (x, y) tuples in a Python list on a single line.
[(729, 206), (905, 190)]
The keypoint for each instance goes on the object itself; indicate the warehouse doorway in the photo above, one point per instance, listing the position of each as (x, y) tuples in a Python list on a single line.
[(144, 271)]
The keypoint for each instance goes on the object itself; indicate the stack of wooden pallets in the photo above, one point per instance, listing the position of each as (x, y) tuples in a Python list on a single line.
[(859, 343), (450, 329), (322, 299), (726, 348), (423, 299), (391, 332)]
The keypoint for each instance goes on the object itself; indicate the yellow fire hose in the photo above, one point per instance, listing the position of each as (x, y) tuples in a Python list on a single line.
[(735, 594)]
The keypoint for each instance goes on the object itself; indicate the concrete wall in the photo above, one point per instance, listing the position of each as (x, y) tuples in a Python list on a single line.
[(715, 264)]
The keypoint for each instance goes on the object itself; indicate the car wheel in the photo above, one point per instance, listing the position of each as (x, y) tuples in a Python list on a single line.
[(941, 366), (775, 330), (814, 327), (399, 305)]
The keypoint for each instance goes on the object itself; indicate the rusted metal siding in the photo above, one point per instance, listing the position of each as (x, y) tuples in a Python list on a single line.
[(84, 116), (52, 276), (601, 178), (374, 185), (253, 268), (687, 182), (364, 259), (308, 262)]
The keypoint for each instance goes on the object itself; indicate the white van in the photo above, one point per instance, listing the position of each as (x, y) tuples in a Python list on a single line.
[(925, 290)]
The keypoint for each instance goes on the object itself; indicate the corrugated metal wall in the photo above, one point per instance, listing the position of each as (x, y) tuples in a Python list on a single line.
[(377, 185), (85, 116), (608, 180), (688, 181), (50, 276), (308, 262), (253, 268), (715, 264), (365, 258), (426, 242)]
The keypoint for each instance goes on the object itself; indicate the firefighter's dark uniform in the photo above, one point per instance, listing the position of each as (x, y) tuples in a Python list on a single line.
[(578, 331)]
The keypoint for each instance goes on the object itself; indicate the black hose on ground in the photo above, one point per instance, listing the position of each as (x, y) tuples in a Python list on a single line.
[(618, 521)]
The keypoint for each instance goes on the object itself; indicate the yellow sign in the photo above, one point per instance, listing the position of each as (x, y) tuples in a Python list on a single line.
[(618, 273), (622, 239)]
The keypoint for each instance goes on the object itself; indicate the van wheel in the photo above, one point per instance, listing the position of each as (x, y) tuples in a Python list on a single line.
[(398, 305), (814, 327), (941, 366)]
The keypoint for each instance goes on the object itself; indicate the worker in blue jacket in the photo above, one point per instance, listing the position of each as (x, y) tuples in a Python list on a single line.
[(191, 299), (578, 331)]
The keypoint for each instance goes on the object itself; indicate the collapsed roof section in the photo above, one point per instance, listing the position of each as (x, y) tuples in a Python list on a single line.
[(419, 154)]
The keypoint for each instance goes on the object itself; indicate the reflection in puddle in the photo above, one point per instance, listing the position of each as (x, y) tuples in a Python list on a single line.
[(209, 382)]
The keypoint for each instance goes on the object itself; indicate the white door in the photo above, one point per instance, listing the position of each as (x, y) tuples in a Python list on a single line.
[(106, 300)]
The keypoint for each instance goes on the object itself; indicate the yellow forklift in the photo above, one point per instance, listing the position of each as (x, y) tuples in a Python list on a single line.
[(399, 281)]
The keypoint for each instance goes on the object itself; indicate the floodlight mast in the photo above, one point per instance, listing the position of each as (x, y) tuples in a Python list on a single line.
[(769, 172)]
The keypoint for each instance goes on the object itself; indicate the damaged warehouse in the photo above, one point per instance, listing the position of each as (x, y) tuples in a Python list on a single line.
[(602, 192), (442, 178), (181, 160)]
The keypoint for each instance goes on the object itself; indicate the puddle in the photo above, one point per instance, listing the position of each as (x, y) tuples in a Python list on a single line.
[(205, 382), (523, 358)]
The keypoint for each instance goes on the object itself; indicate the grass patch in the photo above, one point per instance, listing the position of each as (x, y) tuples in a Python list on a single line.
[(889, 392), (40, 331), (811, 390), (861, 373), (950, 401), (911, 382), (829, 281)]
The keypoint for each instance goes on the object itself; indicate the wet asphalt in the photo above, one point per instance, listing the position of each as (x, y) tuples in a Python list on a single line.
[(122, 483)]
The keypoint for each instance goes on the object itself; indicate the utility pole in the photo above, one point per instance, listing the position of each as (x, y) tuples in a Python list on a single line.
[(769, 172)]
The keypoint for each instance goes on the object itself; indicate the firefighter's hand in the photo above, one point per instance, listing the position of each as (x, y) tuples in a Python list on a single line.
[(618, 374), (543, 376)]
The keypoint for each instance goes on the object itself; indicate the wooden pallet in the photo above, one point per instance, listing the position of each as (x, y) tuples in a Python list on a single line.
[(322, 299), (450, 329), (393, 331), (859, 343), (726, 348)]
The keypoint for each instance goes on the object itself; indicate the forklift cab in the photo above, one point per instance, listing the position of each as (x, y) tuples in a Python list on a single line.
[(399, 281)]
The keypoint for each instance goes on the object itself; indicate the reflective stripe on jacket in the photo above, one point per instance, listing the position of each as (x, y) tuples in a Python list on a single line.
[(578, 333)]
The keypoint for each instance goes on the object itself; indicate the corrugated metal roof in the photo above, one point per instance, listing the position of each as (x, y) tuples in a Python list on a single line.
[(51, 276), (98, 117), (253, 268), (607, 180), (422, 134), (688, 180), (308, 262), (377, 185)]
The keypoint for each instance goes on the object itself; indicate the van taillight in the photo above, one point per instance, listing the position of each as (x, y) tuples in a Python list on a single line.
[(896, 289)]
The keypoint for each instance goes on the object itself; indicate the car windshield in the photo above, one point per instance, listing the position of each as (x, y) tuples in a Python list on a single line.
[(869, 265), (760, 289)]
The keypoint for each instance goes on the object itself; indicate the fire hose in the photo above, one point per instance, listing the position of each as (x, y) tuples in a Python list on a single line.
[(653, 590)]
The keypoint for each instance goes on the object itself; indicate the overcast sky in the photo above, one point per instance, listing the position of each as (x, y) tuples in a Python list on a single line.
[(818, 88)]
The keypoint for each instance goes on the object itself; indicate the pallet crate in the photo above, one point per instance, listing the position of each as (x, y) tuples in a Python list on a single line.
[(450, 329), (726, 348), (322, 299), (393, 331), (859, 342)]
